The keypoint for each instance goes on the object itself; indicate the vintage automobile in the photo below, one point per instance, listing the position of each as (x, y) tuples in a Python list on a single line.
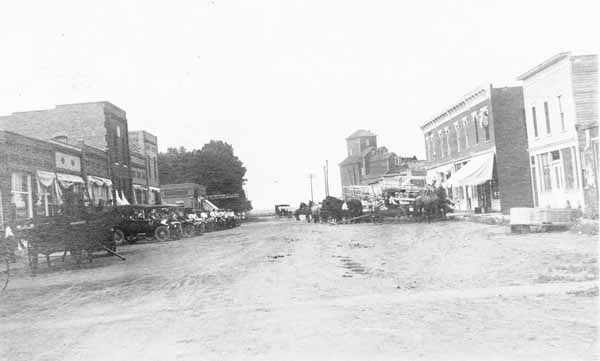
[(146, 221)]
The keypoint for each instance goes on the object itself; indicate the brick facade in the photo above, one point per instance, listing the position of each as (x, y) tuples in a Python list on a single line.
[(101, 125), (483, 122)]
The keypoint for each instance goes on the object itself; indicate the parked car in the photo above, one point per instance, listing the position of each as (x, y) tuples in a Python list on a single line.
[(144, 221)]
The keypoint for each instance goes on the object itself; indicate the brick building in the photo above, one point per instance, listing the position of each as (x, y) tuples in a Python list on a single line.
[(477, 148), (100, 125), (561, 101), (36, 175), (144, 149), (368, 164)]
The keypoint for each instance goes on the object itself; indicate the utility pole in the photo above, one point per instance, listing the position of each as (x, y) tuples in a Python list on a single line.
[(310, 176), (327, 176)]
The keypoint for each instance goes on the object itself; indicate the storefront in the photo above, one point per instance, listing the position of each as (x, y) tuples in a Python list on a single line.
[(100, 190), (555, 177), (474, 184)]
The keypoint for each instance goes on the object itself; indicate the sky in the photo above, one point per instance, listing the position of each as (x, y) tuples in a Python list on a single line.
[(284, 82)]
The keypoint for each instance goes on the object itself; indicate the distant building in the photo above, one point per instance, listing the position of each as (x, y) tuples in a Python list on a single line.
[(561, 107), (477, 149), (185, 194), (144, 158), (367, 163), (101, 125)]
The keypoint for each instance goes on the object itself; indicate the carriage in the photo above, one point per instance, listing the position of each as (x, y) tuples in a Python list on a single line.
[(80, 236), (283, 210)]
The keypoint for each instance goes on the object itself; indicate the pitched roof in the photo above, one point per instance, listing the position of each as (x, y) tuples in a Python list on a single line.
[(361, 133)]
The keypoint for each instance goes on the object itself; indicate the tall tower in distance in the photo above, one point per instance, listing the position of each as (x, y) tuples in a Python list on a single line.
[(359, 141)]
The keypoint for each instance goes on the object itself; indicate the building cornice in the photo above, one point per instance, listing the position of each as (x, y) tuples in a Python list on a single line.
[(479, 94)]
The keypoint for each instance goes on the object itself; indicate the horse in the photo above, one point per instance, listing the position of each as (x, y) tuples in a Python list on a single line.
[(315, 212), (432, 203), (332, 209), (355, 209), (303, 209)]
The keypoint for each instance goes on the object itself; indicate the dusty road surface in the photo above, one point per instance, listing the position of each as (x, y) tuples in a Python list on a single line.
[(287, 290)]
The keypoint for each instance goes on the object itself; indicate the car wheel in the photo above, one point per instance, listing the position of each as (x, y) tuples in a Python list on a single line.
[(162, 233), (188, 230), (118, 237)]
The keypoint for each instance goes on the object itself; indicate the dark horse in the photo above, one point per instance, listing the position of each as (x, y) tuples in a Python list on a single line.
[(432, 203), (303, 209), (332, 208)]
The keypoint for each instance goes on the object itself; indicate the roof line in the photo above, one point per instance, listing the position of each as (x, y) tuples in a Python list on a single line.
[(543, 65)]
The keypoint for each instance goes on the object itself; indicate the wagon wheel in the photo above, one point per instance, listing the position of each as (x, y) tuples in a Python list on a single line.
[(32, 257), (119, 237), (162, 233), (5, 274)]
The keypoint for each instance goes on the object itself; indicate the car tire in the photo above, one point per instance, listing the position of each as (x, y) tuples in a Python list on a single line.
[(188, 230), (162, 233)]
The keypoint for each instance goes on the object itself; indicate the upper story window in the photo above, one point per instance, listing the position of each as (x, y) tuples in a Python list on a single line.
[(441, 142), (562, 115), (465, 129), (457, 129), (474, 117), (447, 131), (118, 131), (547, 114), (485, 123), (534, 119)]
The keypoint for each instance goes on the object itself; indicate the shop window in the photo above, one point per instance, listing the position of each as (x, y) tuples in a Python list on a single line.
[(534, 182), (45, 204), (21, 192), (546, 177), (495, 189), (569, 168)]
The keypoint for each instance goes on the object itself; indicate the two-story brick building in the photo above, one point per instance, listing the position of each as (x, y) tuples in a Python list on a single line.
[(36, 176), (477, 148), (561, 102), (144, 158), (101, 125)]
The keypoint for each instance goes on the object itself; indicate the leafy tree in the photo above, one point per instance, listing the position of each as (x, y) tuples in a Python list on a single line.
[(214, 166)]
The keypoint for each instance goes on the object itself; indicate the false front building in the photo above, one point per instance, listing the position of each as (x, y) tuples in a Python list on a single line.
[(477, 150), (561, 101)]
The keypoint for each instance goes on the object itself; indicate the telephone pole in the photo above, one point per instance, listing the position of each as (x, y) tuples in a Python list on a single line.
[(327, 176), (310, 176)]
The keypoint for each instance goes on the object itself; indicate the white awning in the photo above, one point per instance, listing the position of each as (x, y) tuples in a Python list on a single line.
[(477, 171), (154, 189), (45, 178), (99, 181), (209, 206), (434, 173), (140, 187), (68, 180)]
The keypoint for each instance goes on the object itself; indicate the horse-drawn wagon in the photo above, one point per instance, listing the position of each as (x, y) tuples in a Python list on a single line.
[(81, 235)]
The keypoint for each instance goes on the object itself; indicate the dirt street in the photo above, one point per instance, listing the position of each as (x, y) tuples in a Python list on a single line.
[(287, 290)]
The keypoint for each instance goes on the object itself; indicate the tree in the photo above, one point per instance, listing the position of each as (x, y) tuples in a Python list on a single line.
[(214, 166)]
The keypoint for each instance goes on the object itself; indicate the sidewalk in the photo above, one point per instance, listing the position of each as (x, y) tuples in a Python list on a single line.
[(487, 218)]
